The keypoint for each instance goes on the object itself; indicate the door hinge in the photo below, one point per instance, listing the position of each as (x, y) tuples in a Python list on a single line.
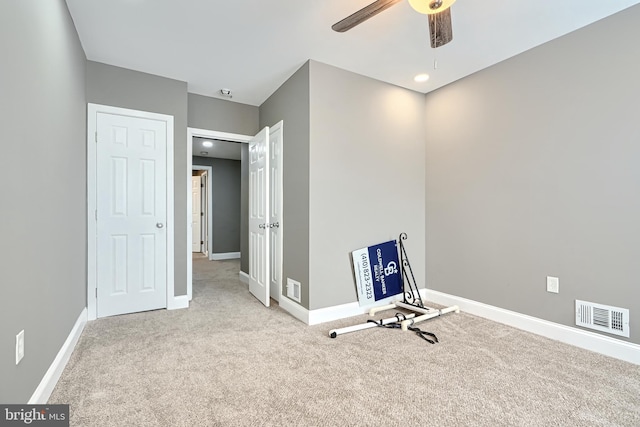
[(201, 185), (96, 292), (201, 242), (96, 212), (201, 213), (96, 134)]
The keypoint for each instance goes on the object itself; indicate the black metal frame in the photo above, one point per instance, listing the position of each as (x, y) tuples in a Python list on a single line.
[(410, 290)]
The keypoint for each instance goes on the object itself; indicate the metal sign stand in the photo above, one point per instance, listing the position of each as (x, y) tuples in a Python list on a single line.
[(412, 301)]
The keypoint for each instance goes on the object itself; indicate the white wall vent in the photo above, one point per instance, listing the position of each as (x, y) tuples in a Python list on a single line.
[(604, 318), (293, 290)]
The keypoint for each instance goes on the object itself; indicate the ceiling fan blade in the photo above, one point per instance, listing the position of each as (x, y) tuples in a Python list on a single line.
[(440, 29), (363, 14)]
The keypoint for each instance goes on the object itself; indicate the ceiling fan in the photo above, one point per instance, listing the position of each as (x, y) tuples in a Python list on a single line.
[(438, 12)]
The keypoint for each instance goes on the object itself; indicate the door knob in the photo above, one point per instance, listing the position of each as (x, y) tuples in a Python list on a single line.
[(159, 225), (274, 225)]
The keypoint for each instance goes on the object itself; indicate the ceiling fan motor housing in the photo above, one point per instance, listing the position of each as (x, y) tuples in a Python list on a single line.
[(440, 29), (429, 7)]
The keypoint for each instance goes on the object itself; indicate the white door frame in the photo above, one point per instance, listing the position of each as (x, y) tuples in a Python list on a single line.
[(200, 220), (202, 133), (92, 113), (209, 209), (204, 205)]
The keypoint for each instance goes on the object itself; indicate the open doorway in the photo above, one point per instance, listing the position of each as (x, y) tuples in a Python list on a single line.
[(213, 136), (225, 193)]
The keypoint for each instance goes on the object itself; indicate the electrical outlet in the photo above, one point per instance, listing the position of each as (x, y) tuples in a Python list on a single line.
[(19, 346), (553, 284)]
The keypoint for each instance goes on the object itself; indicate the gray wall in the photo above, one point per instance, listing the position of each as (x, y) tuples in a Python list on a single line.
[(291, 104), (221, 115), (353, 175), (225, 198), (226, 116), (120, 87), (43, 227), (367, 176), (532, 170)]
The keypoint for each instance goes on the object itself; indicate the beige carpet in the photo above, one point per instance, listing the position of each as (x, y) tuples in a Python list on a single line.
[(228, 361)]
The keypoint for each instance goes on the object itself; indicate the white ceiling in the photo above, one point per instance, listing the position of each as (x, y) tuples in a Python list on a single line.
[(219, 149), (253, 46)]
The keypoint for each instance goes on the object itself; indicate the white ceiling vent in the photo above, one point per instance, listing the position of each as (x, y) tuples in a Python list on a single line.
[(604, 318)]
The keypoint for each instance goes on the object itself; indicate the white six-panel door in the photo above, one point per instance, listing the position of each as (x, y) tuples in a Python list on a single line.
[(275, 210), (259, 216), (131, 224)]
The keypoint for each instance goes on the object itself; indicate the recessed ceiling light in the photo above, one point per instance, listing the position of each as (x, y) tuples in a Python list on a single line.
[(421, 78), (207, 144)]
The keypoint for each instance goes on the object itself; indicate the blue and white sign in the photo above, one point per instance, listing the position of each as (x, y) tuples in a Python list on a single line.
[(377, 272)]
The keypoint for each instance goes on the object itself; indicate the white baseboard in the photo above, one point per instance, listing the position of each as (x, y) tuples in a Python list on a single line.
[(294, 309), (227, 255), (178, 302), (328, 314), (244, 277), (51, 377), (322, 315), (343, 311), (612, 347)]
